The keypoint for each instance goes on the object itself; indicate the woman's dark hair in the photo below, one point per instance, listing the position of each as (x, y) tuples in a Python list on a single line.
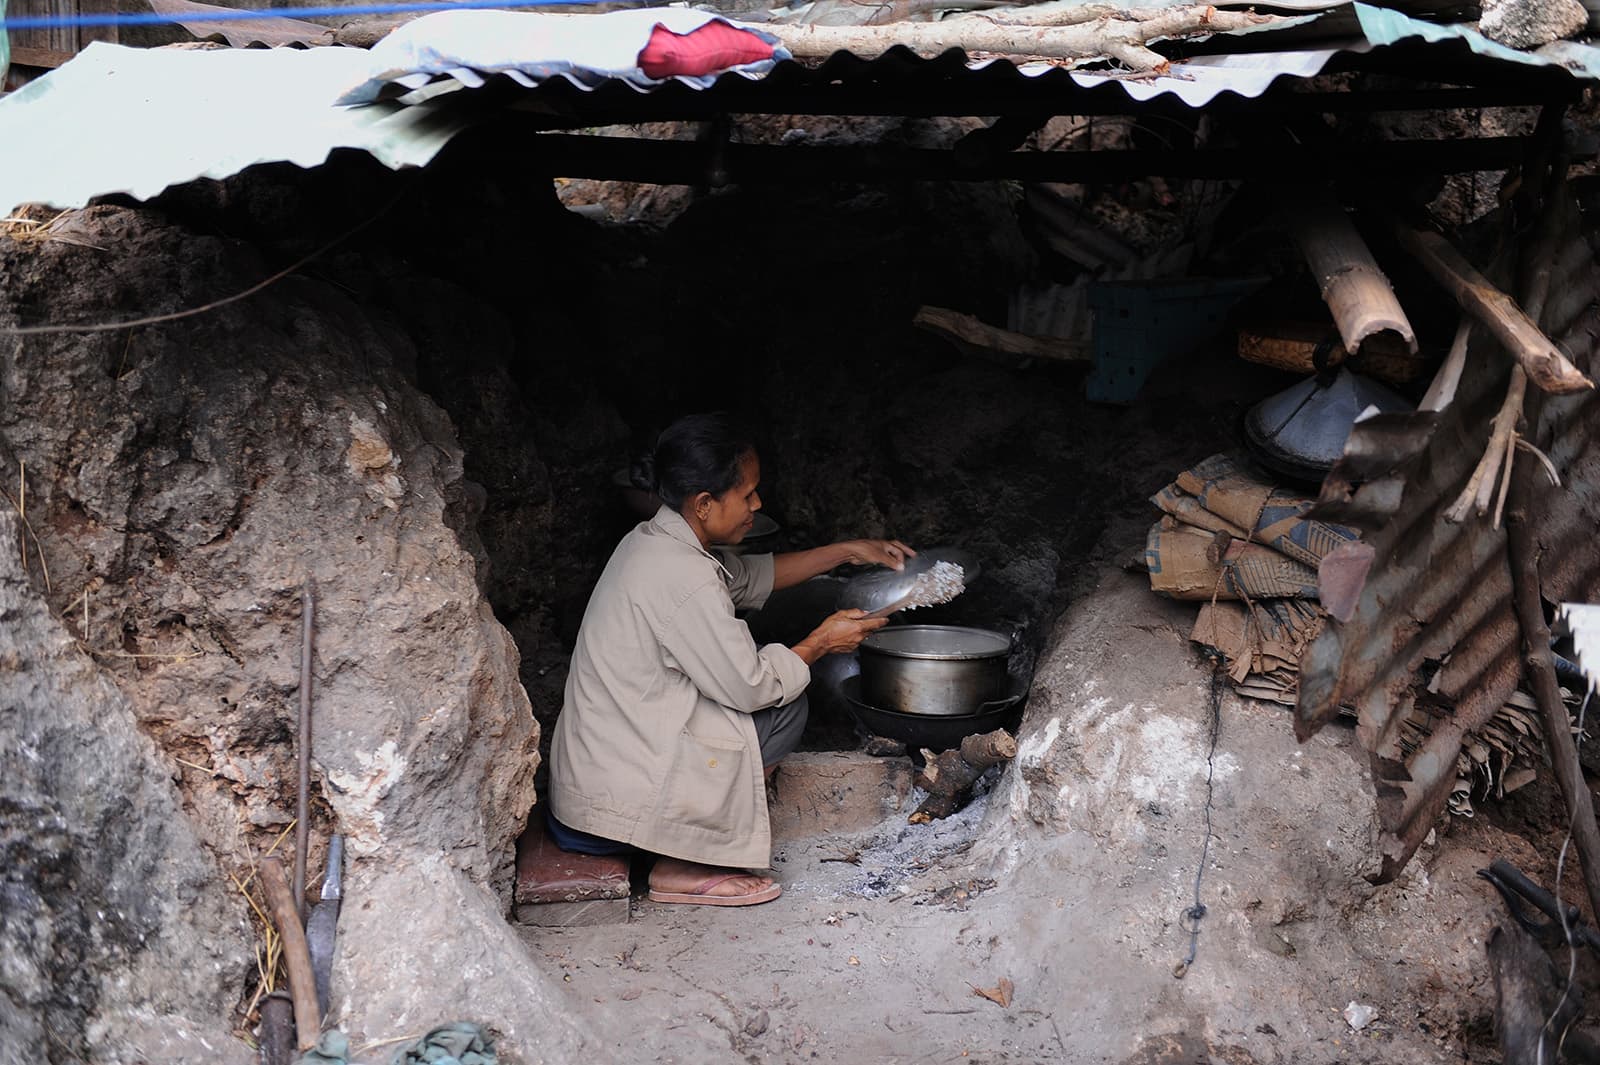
[(697, 453)]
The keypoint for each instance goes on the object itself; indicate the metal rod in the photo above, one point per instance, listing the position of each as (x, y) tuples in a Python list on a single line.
[(688, 162), (303, 754), (277, 1032), (957, 94)]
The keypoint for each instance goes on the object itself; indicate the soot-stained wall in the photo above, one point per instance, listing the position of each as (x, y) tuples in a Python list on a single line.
[(559, 345)]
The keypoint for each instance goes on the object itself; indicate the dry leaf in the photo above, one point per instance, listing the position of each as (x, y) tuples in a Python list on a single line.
[(630, 994), (1001, 995)]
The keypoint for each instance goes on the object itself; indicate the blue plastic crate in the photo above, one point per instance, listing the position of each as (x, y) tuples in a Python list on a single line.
[(1139, 324)]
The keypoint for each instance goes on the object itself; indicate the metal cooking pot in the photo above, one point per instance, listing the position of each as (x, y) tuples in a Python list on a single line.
[(933, 669)]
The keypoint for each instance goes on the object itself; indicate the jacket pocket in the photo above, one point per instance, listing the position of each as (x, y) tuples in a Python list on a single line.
[(709, 779)]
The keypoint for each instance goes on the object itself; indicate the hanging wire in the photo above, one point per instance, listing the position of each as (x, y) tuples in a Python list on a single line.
[(1192, 915), (1566, 930)]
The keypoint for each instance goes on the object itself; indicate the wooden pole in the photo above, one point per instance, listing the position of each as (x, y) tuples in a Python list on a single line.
[(1122, 39), (296, 955), (1522, 546), (1537, 268), (1543, 362), (1540, 672), (967, 332)]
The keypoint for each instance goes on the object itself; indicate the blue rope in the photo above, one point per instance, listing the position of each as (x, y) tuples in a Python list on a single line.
[(151, 18)]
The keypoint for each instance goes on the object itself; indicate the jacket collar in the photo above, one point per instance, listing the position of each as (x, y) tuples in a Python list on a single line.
[(671, 523)]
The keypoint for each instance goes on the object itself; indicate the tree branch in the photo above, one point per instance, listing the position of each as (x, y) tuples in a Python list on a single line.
[(1107, 36)]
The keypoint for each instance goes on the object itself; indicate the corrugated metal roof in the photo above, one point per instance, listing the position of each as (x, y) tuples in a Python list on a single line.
[(267, 32), (1581, 621), (1434, 621), (1382, 26), (476, 50), (136, 121), (585, 50), (133, 120), (589, 51)]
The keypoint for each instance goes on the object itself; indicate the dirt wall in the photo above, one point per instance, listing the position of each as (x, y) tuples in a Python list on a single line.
[(182, 483)]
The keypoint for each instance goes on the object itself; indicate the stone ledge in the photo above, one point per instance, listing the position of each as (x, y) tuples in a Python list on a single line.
[(821, 792)]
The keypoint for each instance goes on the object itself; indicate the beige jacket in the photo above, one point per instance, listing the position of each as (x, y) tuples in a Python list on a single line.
[(654, 745)]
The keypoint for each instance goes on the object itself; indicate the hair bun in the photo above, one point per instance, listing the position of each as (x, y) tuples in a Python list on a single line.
[(643, 472)]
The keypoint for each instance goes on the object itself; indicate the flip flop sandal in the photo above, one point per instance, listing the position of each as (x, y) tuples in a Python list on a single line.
[(698, 897)]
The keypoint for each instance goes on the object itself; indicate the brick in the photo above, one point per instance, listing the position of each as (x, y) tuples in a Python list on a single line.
[(573, 914), (820, 792), (556, 887)]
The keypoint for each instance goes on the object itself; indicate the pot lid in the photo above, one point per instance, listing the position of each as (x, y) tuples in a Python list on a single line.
[(945, 642), (1302, 430)]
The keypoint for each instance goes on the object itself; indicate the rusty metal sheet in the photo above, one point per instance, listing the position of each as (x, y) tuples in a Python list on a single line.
[(1437, 602), (271, 32)]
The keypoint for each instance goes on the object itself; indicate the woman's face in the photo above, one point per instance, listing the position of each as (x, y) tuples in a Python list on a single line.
[(726, 519)]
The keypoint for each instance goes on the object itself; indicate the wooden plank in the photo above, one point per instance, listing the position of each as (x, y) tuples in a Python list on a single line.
[(86, 34), (61, 39), (43, 58)]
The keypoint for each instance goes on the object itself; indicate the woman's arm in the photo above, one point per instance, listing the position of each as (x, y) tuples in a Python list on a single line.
[(839, 633), (790, 569)]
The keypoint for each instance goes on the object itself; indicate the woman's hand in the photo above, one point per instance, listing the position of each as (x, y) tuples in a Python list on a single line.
[(891, 553), (793, 567), (839, 633)]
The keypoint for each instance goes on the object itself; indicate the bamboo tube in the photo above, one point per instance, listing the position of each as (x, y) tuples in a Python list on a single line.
[(1352, 283)]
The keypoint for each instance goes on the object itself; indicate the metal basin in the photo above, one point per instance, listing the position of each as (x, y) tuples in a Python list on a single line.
[(934, 731), (936, 670)]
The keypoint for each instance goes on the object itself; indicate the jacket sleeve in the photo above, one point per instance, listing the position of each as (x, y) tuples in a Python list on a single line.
[(714, 649), (752, 578)]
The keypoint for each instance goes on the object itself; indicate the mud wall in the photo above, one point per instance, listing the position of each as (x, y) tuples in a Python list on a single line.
[(182, 483)]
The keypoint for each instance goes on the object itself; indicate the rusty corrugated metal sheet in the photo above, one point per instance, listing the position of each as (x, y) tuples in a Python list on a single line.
[(269, 32), (1435, 620)]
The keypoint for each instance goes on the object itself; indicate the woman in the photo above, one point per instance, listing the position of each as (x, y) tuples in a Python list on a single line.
[(672, 713)]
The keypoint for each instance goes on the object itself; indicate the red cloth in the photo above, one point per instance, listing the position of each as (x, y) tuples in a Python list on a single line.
[(713, 47)]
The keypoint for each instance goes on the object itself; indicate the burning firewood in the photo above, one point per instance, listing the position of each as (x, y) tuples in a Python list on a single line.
[(948, 777)]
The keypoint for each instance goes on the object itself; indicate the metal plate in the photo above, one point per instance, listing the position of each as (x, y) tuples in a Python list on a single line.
[(880, 587)]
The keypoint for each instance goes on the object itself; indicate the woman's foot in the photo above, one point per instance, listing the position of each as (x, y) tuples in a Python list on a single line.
[(675, 880)]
